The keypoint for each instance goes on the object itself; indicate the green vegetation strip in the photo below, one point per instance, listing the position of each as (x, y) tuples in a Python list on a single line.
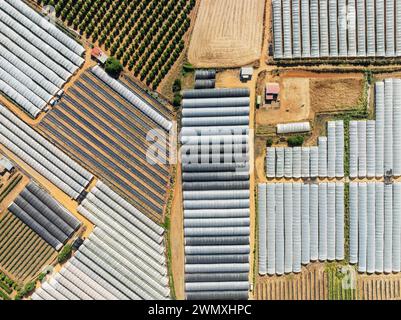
[(341, 282), (6, 287), (4, 296)]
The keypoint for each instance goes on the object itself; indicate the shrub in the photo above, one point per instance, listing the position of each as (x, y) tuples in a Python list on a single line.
[(177, 85), (187, 67), (29, 287), (41, 276), (269, 142), (4, 296), (6, 288), (295, 141), (177, 100), (113, 67), (65, 253)]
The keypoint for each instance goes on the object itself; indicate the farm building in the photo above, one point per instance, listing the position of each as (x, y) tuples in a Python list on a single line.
[(5, 165), (36, 59), (122, 259), (246, 73), (99, 55), (216, 193), (272, 92), (299, 223), (375, 145), (295, 127), (324, 160), (336, 29), (205, 79)]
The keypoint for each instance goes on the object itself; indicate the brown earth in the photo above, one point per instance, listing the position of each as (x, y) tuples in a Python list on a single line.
[(227, 33), (379, 287), (310, 284), (334, 94), (303, 94)]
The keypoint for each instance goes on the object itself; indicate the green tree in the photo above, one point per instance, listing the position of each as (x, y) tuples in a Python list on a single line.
[(295, 141), (113, 67), (65, 253), (177, 85)]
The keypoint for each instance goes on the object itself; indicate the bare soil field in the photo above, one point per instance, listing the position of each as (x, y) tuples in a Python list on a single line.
[(334, 94), (227, 33), (304, 94), (310, 284), (379, 287)]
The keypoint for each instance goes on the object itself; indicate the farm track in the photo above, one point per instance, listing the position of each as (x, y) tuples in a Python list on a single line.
[(24, 253), (105, 133)]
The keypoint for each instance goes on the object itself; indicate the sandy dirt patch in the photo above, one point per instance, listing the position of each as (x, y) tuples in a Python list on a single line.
[(334, 94), (304, 94), (310, 284), (379, 287), (227, 33)]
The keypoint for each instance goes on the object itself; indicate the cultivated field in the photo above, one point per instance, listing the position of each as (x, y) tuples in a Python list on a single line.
[(317, 281), (227, 33), (102, 131), (23, 252), (384, 287), (310, 284), (10, 186)]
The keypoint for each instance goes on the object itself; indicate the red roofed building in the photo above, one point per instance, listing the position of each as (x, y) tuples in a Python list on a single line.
[(99, 55), (272, 92)]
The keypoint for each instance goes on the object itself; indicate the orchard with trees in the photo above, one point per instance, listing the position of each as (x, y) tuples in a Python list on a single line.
[(145, 35)]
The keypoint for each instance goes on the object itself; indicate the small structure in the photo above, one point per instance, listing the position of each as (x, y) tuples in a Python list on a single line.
[(272, 92), (5, 165), (258, 101), (77, 243), (246, 73), (295, 127), (99, 55)]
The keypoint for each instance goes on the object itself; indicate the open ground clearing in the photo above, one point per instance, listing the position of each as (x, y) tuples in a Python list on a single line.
[(227, 33), (304, 94)]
